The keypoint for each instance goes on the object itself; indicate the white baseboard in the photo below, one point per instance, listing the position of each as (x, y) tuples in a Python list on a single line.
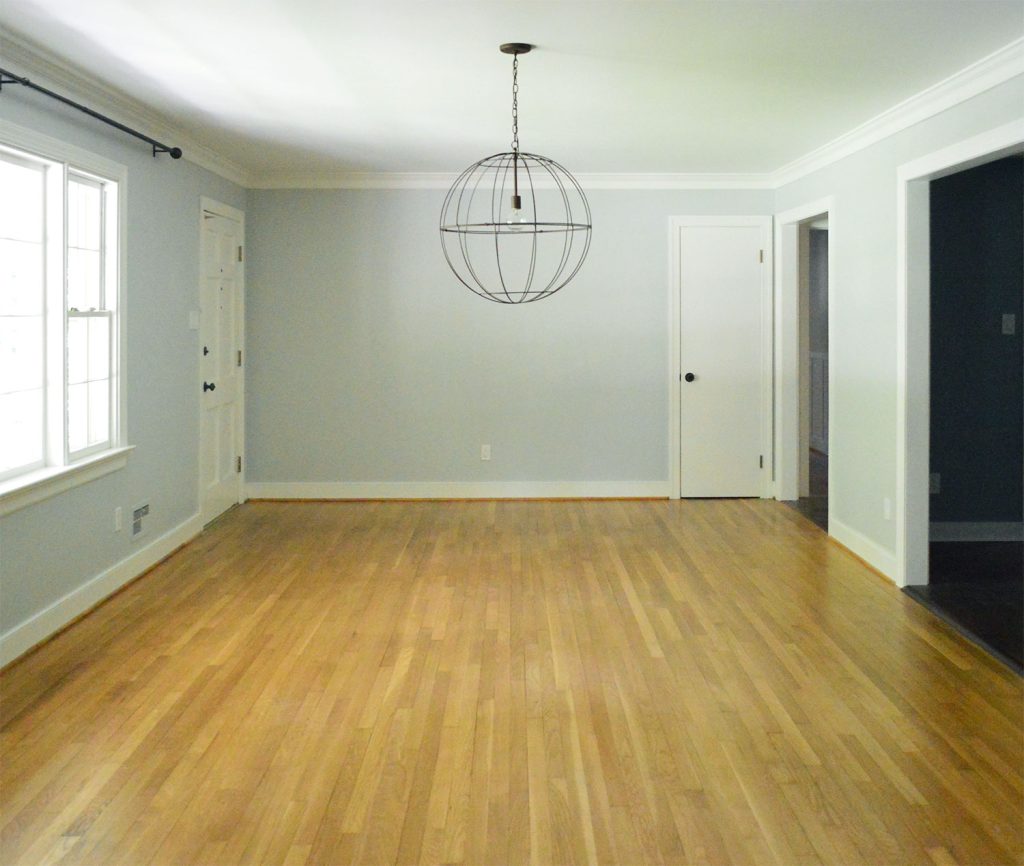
[(871, 552), (42, 625), (987, 531), (455, 489)]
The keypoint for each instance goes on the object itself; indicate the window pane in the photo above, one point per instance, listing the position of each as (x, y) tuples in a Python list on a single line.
[(21, 205), (88, 348), (78, 416), (78, 350), (21, 353), (83, 279), (83, 215), (99, 347), (21, 429), (99, 411), (21, 278)]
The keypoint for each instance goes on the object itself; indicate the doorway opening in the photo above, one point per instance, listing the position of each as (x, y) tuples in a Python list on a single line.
[(960, 468), (976, 407), (814, 396), (803, 373)]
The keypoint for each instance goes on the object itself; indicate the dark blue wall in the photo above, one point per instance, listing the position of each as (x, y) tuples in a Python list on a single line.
[(977, 384)]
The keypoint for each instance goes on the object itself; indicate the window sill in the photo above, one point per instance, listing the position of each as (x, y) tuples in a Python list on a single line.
[(36, 486)]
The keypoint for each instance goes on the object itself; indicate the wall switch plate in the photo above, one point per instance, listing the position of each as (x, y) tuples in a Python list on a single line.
[(934, 483), (485, 452), (1009, 324), (117, 519)]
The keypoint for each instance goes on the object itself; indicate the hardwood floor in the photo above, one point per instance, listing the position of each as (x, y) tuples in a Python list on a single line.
[(511, 682)]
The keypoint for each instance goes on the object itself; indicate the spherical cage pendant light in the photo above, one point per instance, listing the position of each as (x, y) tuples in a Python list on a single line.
[(515, 226)]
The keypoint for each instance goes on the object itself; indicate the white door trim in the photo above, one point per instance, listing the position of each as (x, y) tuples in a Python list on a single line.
[(209, 205), (913, 291), (787, 343), (675, 223)]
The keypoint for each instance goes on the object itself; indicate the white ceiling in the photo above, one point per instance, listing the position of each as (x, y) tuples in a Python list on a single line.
[(629, 86)]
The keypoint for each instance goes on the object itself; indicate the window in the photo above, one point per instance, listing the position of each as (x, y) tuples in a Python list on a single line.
[(59, 325)]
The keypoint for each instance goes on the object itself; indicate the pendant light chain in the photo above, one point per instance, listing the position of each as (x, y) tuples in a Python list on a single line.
[(515, 103)]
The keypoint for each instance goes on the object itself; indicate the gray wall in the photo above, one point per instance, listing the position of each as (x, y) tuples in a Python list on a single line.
[(977, 378), (51, 548), (862, 245), (368, 361), (818, 289)]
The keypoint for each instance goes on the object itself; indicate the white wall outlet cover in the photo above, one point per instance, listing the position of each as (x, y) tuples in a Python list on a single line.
[(485, 452), (193, 320)]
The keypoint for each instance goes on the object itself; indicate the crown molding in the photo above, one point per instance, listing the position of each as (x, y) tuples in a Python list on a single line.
[(995, 69), (444, 180), (50, 70), (991, 71)]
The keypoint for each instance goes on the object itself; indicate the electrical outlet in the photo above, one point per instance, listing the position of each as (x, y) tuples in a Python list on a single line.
[(887, 508), (117, 519), (485, 452), (934, 483), (1009, 324)]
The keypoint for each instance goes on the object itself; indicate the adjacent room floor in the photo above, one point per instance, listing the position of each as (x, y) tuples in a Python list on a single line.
[(508, 683), (814, 506), (979, 588)]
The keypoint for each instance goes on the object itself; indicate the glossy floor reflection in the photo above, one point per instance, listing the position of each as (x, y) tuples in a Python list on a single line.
[(979, 588)]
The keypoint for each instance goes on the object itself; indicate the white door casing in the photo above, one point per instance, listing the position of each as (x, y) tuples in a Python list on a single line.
[(221, 381), (722, 305), (788, 354), (913, 334)]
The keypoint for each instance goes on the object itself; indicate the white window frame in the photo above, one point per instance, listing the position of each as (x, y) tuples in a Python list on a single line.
[(65, 470), (34, 165), (108, 310)]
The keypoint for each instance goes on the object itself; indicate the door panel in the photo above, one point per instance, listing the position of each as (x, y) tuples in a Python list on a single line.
[(220, 306), (721, 409)]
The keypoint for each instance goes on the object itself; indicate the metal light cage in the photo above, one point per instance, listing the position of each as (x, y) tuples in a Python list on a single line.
[(515, 227)]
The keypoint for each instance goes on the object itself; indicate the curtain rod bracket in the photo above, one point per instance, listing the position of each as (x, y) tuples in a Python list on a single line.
[(7, 77)]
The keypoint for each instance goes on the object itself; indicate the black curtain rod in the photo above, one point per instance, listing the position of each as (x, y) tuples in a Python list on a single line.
[(7, 77)]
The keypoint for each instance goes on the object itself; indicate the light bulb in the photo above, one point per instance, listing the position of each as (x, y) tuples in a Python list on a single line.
[(515, 217)]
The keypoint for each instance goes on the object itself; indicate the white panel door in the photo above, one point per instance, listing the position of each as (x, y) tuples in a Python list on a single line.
[(721, 308), (220, 365)]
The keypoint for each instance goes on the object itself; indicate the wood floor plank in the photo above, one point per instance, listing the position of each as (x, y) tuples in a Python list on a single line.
[(701, 682)]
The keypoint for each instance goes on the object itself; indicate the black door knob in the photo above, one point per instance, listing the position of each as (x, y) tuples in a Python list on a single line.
[(209, 386), (689, 377)]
